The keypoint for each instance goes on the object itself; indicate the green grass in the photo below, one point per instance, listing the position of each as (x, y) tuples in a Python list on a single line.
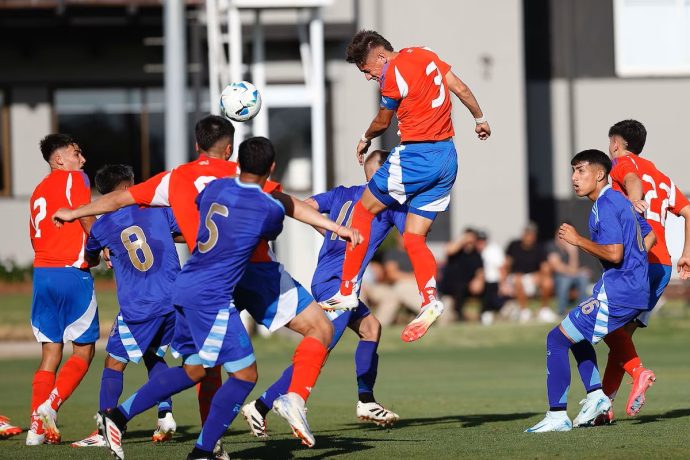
[(462, 392)]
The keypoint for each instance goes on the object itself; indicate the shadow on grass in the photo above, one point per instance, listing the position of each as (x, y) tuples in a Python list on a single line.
[(467, 421), (327, 446), (184, 433), (676, 413)]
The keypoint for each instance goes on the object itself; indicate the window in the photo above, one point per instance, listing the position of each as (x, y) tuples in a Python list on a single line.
[(652, 37)]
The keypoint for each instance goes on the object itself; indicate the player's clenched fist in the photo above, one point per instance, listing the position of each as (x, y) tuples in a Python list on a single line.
[(483, 130), (63, 215), (567, 233), (350, 234)]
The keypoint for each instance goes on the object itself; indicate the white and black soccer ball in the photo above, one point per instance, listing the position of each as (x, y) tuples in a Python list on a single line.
[(240, 101)]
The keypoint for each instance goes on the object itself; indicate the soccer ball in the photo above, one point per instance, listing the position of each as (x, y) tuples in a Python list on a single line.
[(240, 101)]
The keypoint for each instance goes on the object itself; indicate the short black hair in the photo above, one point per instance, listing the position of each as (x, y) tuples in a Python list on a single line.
[(633, 132), (256, 155), (593, 157), (110, 176), (211, 129), (360, 45), (379, 156), (53, 142)]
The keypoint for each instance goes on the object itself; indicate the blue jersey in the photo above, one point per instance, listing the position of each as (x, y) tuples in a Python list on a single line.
[(144, 258), (614, 221), (235, 216), (338, 203)]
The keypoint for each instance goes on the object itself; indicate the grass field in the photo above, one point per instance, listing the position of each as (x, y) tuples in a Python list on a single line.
[(462, 391)]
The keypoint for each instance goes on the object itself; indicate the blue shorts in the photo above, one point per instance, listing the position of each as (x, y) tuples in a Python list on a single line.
[(64, 306), (420, 174), (270, 295), (211, 338), (659, 276), (593, 319), (129, 342)]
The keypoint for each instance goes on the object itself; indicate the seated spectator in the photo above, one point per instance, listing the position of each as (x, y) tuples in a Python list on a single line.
[(463, 275), (528, 272), (493, 261), (568, 275)]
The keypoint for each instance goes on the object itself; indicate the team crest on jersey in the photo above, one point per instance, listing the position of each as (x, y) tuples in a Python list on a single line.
[(588, 306)]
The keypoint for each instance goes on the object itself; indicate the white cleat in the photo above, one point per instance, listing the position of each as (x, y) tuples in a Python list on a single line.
[(165, 428), (94, 440), (111, 434), (290, 406), (595, 404), (36, 434), (256, 422), (7, 430), (426, 317), (554, 421), (375, 412), (48, 417), (219, 451), (341, 302)]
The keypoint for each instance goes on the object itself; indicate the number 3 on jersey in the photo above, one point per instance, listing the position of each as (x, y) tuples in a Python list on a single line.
[(438, 81), (41, 204)]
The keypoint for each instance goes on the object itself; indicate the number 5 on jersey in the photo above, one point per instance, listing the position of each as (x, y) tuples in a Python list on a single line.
[(205, 246)]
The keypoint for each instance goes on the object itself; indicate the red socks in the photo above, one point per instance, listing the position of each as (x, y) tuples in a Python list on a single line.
[(424, 265), (361, 220), (68, 378), (43, 383), (622, 358), (307, 363), (206, 390)]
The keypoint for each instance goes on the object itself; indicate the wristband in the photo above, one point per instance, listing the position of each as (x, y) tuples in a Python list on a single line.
[(480, 120), (364, 138)]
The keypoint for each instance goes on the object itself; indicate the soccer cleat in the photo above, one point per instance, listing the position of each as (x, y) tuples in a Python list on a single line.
[(219, 452), (7, 430), (256, 422), (554, 421), (94, 440), (111, 434), (290, 406), (36, 434), (641, 383), (341, 302), (375, 412), (48, 417), (595, 404), (605, 418), (418, 326), (165, 428)]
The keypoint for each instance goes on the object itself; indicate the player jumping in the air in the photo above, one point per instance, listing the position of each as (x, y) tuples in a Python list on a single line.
[(420, 172), (654, 194), (338, 203), (143, 255), (64, 303), (620, 239)]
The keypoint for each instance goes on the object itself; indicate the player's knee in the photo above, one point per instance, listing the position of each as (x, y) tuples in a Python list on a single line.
[(370, 329), (195, 372), (114, 364), (84, 351), (248, 374)]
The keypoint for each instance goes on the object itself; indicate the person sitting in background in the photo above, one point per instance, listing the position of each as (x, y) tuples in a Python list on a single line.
[(528, 271), (493, 261), (564, 262), (463, 274)]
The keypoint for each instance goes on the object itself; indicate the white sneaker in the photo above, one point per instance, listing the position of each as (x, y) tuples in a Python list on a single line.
[(94, 440), (165, 428), (256, 422), (546, 315), (219, 451), (49, 418), (35, 439), (525, 316), (487, 318), (290, 406), (554, 421), (341, 302), (595, 404), (375, 412), (111, 434), (426, 317)]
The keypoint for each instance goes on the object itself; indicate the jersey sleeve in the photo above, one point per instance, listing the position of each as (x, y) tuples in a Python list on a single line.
[(610, 228), (645, 228), (325, 200), (272, 186), (172, 222), (93, 243), (152, 192), (677, 200), (273, 224), (79, 193), (621, 169), (390, 93)]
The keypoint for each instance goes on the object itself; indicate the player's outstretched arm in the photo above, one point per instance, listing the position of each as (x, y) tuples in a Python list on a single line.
[(312, 202), (464, 93), (684, 260), (107, 203), (377, 127), (609, 252), (299, 210)]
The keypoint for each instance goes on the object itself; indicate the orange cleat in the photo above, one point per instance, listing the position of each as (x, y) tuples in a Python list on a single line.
[(641, 383), (7, 430), (418, 326)]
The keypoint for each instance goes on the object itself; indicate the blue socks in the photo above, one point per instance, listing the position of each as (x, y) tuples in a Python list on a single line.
[(159, 388), (586, 359), (111, 388), (557, 369), (225, 405), (279, 387), (156, 365), (366, 366)]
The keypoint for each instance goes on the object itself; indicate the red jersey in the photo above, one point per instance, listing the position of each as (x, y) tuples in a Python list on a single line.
[(53, 246), (414, 84), (179, 188), (661, 195)]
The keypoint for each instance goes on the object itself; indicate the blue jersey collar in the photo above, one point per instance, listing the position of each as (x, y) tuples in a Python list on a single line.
[(603, 190)]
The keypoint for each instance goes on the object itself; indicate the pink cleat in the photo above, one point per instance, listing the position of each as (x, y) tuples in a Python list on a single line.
[(641, 383)]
